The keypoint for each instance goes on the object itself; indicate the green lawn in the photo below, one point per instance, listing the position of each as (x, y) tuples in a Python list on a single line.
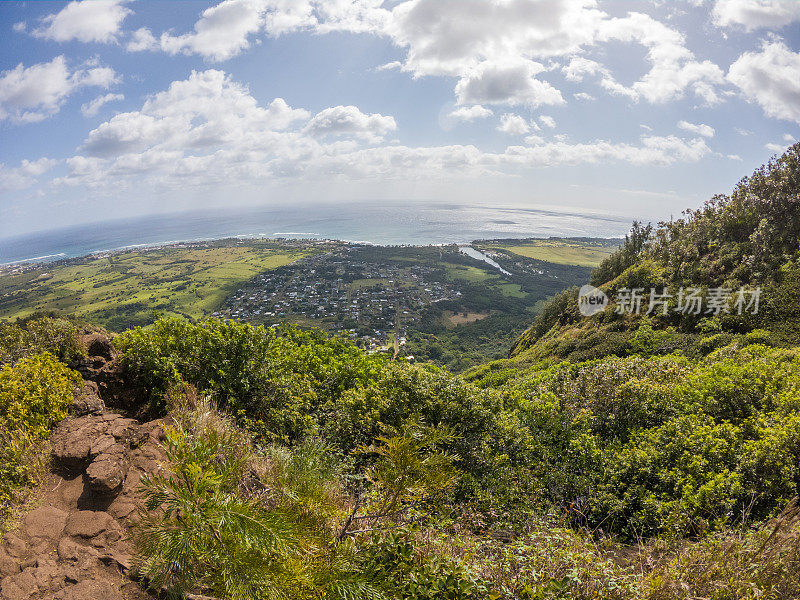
[(468, 273), (562, 251)]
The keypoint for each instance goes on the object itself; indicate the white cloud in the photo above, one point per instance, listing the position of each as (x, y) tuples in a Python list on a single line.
[(25, 175), (470, 113), (90, 109), (754, 14), (674, 70), (653, 150), (29, 94), (583, 96), (548, 121), (201, 112), (141, 39), (788, 138), (348, 120), (514, 125), (495, 48), (697, 129), (579, 67), (222, 31), (208, 132), (776, 148), (442, 38), (84, 21), (770, 79), (510, 82), (735, 157)]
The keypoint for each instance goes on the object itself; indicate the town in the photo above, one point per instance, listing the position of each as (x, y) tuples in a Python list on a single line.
[(371, 302)]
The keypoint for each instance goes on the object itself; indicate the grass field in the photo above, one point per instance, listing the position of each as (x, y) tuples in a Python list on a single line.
[(468, 273), (452, 319), (584, 253), (513, 290), (360, 284), (124, 289)]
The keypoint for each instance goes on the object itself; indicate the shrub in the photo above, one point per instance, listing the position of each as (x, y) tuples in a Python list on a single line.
[(196, 531), (34, 395), (409, 575), (273, 379), (41, 334)]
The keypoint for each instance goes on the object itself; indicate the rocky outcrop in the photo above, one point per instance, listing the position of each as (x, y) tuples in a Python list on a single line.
[(87, 401), (75, 545)]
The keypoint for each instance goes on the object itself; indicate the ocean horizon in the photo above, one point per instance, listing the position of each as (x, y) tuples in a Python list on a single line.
[(391, 223)]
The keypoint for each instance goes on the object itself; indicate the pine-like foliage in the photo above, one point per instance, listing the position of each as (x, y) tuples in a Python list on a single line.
[(196, 532)]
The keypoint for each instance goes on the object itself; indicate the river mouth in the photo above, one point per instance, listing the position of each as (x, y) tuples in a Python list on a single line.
[(476, 254)]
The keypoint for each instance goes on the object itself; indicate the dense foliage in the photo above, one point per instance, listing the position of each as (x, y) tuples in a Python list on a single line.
[(210, 524), (661, 461), (743, 240), (34, 395), (640, 446), (39, 334), (285, 385)]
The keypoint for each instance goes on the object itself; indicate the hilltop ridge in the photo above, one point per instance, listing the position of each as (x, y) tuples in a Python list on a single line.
[(745, 240)]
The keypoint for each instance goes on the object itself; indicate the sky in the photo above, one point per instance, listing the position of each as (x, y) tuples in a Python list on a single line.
[(114, 109)]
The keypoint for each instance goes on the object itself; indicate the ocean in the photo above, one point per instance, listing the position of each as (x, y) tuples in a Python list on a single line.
[(385, 223)]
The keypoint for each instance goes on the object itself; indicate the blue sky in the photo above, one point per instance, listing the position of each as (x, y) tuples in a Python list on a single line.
[(641, 109)]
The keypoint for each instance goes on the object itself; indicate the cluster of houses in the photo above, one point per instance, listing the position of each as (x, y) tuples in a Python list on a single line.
[(371, 301)]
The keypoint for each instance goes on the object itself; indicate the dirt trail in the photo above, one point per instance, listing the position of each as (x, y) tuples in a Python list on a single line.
[(75, 544)]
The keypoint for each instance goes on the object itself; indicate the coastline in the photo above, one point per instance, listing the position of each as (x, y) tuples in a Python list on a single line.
[(61, 258)]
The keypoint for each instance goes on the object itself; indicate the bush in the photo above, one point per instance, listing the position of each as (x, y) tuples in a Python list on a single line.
[(656, 445), (195, 529), (34, 395), (273, 380), (409, 575), (41, 334)]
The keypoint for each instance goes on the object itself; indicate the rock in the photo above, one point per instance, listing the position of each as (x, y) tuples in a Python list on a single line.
[(45, 522), (15, 545), (19, 587), (100, 345), (98, 527), (72, 444), (122, 508), (118, 559), (72, 551), (8, 564), (48, 575), (89, 523), (87, 401), (90, 590), (9, 590), (107, 472), (106, 454), (101, 445)]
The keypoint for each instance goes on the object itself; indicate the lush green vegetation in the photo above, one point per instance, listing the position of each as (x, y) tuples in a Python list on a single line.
[(660, 461), (126, 289), (35, 390), (744, 240), (640, 448)]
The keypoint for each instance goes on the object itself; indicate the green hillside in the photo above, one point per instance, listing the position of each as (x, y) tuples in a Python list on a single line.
[(742, 241)]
